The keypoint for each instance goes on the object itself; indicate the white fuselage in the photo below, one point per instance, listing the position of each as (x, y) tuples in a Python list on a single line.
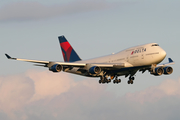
[(143, 55)]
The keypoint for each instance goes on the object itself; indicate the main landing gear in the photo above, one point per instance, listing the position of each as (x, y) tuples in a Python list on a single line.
[(131, 79), (116, 80), (105, 80)]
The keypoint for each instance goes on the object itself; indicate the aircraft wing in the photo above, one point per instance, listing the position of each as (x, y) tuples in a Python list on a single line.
[(46, 62), (72, 64), (34, 61)]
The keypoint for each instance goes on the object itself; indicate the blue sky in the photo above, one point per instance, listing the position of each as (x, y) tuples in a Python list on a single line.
[(29, 29)]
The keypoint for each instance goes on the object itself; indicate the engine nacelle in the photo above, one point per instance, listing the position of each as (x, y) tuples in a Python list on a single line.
[(95, 70), (56, 68), (168, 70), (158, 71)]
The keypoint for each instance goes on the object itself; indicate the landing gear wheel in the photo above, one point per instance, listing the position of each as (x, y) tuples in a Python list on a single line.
[(114, 81), (103, 81), (119, 80), (131, 78), (106, 80), (131, 81)]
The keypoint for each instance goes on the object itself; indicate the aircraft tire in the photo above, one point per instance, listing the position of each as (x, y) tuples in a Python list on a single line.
[(131, 81), (103, 81), (114, 81), (119, 80)]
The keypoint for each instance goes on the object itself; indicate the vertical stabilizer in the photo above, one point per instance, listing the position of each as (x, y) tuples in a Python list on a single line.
[(68, 52)]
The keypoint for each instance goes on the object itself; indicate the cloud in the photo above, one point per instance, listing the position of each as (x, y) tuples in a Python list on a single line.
[(45, 95), (15, 91), (14, 86), (42, 89), (21, 11), (153, 94), (49, 85)]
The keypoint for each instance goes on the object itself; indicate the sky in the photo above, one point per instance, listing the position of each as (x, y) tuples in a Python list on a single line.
[(30, 29)]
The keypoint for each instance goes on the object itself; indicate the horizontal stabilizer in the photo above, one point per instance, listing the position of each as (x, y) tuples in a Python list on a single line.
[(170, 60)]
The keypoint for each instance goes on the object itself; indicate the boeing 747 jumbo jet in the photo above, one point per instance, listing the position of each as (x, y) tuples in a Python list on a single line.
[(124, 63)]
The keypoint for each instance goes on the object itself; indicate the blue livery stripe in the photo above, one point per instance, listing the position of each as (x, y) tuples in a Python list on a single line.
[(62, 39)]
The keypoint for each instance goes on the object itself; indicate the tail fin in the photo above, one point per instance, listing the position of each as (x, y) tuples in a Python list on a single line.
[(68, 52)]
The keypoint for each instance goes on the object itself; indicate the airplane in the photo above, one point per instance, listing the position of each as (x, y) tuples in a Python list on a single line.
[(124, 63)]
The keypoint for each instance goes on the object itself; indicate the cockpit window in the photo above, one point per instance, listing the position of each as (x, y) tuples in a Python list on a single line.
[(155, 45)]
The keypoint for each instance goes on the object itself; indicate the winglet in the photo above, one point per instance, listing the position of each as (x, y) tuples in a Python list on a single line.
[(170, 60), (9, 57)]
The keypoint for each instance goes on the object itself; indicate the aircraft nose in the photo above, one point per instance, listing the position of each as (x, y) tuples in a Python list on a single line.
[(163, 54)]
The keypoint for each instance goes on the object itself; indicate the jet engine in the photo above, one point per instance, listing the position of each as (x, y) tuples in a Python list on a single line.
[(56, 68), (168, 70), (95, 70), (157, 71)]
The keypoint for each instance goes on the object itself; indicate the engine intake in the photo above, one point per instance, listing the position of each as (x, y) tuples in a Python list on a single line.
[(168, 70), (95, 70), (56, 68), (158, 71)]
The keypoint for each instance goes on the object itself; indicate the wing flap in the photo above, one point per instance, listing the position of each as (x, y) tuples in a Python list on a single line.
[(108, 65)]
